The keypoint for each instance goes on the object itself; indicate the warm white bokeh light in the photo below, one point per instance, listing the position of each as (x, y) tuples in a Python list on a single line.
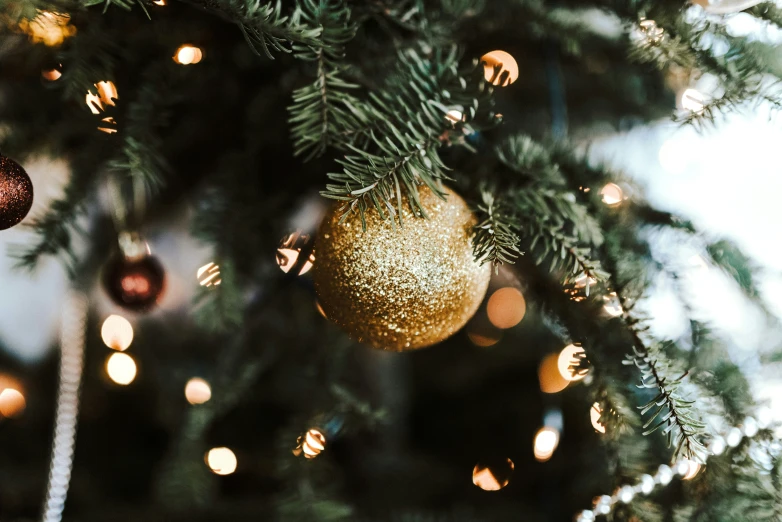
[(612, 194), (188, 55), (506, 307), (51, 75), (12, 402), (121, 368), (209, 275), (117, 333), (594, 415), (567, 359), (484, 341), (197, 391), (222, 461), (546, 442), (692, 469), (492, 477), (287, 257), (611, 305), (551, 380), (454, 116), (508, 68), (311, 444)]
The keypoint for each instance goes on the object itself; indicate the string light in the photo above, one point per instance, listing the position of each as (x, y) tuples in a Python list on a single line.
[(159, 2), (121, 368), (546, 442), (12, 402), (454, 116), (48, 28), (222, 461), (506, 307), (494, 475), (51, 75), (500, 68), (594, 415), (209, 275), (568, 359), (106, 93), (311, 444), (197, 391), (551, 380), (612, 194), (188, 55), (648, 32), (117, 333), (289, 250)]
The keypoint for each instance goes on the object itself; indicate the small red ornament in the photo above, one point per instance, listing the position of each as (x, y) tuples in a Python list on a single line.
[(16, 193), (134, 278)]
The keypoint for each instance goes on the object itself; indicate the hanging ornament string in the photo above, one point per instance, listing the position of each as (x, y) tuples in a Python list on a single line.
[(74, 320), (604, 504)]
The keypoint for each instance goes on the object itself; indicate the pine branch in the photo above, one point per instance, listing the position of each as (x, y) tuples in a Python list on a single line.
[(671, 411), (496, 235), (411, 126), (323, 113), (266, 29)]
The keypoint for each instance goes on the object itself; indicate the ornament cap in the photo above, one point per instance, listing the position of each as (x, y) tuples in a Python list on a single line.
[(133, 246)]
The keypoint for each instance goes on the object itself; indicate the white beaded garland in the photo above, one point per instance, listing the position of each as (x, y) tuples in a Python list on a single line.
[(603, 505)]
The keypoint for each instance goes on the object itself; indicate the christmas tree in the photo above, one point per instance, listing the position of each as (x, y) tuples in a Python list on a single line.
[(352, 260)]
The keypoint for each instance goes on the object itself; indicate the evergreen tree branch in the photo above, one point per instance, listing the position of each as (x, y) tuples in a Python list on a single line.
[(496, 234), (325, 111)]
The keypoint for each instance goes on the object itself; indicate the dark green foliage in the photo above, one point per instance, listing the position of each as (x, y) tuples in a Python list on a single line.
[(496, 234)]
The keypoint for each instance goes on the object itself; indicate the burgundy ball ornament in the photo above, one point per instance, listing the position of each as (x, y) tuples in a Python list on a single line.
[(16, 193), (133, 278)]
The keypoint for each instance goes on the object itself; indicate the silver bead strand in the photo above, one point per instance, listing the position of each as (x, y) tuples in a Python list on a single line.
[(72, 330)]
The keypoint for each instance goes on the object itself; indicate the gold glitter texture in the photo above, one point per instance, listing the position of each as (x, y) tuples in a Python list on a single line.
[(16, 193), (400, 288)]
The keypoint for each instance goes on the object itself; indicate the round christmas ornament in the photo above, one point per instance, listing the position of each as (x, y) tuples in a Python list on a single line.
[(16, 193), (134, 278), (398, 287)]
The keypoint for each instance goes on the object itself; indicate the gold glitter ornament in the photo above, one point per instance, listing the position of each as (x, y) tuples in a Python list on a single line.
[(16, 193), (397, 287)]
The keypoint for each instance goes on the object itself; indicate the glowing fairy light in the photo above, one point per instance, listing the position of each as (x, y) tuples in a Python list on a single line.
[(546, 442), (117, 333), (311, 444), (222, 461), (197, 391), (693, 100), (500, 68), (551, 380), (494, 475), (506, 307), (121, 368), (188, 55), (612, 194), (594, 415), (209, 275), (568, 359), (48, 28)]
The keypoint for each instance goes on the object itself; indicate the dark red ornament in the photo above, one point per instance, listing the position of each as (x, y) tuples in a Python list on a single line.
[(16, 193), (135, 283)]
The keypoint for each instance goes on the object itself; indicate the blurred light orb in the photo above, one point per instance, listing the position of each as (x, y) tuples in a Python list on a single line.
[(546, 442), (693, 100), (209, 275), (12, 402), (121, 368), (612, 194), (104, 95), (188, 55), (159, 2), (648, 32), (551, 380), (506, 308), (289, 250), (492, 474), (484, 341), (687, 468), (454, 116), (500, 68), (222, 461), (612, 306), (117, 333), (51, 75), (197, 391), (594, 414), (311, 444), (48, 28), (568, 358)]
